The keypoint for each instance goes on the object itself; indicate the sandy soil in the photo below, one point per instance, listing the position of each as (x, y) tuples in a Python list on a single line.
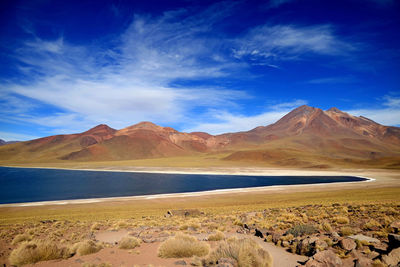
[(377, 178), (147, 253)]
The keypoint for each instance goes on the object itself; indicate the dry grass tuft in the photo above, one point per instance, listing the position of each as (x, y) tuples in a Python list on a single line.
[(32, 252), (129, 243), (85, 247), (21, 237), (218, 236), (181, 246), (341, 219), (246, 252)]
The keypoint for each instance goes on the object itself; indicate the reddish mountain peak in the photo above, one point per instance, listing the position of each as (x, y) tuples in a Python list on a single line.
[(101, 128), (333, 109), (201, 135), (144, 125)]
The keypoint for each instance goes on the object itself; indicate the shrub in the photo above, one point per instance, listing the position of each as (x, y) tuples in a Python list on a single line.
[(302, 229), (216, 237), (21, 237), (85, 247), (246, 252), (32, 252), (346, 231), (371, 224), (327, 227), (181, 246), (341, 219), (129, 243)]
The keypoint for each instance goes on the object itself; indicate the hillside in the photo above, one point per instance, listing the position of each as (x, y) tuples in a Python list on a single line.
[(305, 137)]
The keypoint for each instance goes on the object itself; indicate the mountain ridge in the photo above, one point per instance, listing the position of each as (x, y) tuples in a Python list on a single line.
[(303, 136)]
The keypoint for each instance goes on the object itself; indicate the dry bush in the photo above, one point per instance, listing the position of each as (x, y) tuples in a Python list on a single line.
[(346, 231), (326, 227), (129, 243), (246, 252), (341, 219), (95, 227), (371, 224), (216, 237), (302, 229), (21, 237), (85, 247), (32, 252), (181, 246)]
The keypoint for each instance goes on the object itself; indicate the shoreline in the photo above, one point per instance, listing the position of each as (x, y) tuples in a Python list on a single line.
[(259, 172)]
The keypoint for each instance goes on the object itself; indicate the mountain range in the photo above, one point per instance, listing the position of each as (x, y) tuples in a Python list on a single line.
[(305, 137)]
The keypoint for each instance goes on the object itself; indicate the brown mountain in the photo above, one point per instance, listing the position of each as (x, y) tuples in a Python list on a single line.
[(306, 137)]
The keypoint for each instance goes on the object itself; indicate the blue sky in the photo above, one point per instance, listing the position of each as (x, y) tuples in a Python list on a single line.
[(214, 66)]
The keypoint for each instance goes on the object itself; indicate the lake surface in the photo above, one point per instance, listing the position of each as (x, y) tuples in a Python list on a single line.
[(29, 184)]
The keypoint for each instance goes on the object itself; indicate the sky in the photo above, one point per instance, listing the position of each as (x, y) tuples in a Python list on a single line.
[(213, 66)]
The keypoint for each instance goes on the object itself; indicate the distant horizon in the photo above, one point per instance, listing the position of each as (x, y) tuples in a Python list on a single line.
[(210, 66)]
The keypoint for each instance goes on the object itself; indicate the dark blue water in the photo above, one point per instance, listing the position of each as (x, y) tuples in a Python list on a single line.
[(30, 185)]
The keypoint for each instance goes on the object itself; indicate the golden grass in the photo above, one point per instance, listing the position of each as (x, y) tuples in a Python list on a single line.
[(21, 237), (129, 243), (85, 247), (217, 236), (221, 204), (245, 252), (182, 246), (35, 251)]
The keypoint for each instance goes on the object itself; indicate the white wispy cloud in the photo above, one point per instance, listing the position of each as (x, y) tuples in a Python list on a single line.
[(388, 114), (289, 42), (131, 79), (225, 121), (10, 136)]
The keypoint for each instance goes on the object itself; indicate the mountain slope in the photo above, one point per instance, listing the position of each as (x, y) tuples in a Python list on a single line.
[(304, 137)]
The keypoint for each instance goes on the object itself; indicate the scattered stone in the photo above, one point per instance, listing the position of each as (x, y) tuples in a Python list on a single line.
[(79, 261), (259, 233), (306, 246), (373, 255), (335, 236), (396, 226), (180, 262), (285, 244), (226, 262), (347, 244), (275, 237), (363, 262), (185, 212), (393, 258), (321, 245), (394, 241), (361, 237), (323, 259)]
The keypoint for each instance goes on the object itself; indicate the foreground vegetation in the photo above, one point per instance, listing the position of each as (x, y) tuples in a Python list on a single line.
[(304, 223)]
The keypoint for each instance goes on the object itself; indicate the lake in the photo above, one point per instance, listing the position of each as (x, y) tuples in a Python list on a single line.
[(31, 184)]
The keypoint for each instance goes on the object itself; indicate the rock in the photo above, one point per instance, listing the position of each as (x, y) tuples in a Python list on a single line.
[(226, 262), (275, 237), (396, 226), (321, 245), (394, 241), (326, 258), (373, 255), (185, 212), (363, 262), (306, 246), (347, 244), (285, 244), (181, 262), (364, 238), (393, 258), (335, 236), (258, 233)]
